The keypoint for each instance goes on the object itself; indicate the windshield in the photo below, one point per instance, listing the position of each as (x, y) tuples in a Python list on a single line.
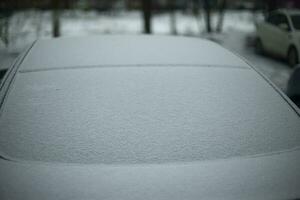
[(296, 21)]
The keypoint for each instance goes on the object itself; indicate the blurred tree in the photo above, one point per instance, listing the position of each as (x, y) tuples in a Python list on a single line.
[(207, 10), (222, 8), (172, 8), (195, 7), (196, 13), (272, 5), (55, 18), (4, 25), (147, 8)]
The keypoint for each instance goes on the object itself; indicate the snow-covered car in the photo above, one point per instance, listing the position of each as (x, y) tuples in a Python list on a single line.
[(144, 117), (279, 34)]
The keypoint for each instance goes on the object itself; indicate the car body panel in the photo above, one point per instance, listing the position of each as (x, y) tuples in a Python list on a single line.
[(266, 177)]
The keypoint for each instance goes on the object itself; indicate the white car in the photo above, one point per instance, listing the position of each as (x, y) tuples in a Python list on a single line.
[(144, 118), (279, 34)]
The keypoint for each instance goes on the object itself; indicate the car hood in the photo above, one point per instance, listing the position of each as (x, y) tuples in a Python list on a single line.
[(274, 176)]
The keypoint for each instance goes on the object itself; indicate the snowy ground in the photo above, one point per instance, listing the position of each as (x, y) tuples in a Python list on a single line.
[(27, 26)]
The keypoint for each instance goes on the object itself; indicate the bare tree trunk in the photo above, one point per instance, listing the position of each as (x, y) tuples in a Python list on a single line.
[(207, 10), (221, 16), (55, 18), (4, 26), (172, 17), (6, 31), (272, 5), (195, 4), (39, 22), (173, 23), (196, 13), (147, 15)]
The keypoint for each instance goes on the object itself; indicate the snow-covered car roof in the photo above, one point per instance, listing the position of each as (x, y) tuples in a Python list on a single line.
[(126, 50), (141, 99), (142, 117)]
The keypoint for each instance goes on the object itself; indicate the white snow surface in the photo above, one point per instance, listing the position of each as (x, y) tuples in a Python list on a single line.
[(127, 50), (150, 114)]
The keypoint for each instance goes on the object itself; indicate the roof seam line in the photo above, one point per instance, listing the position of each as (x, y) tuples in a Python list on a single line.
[(131, 65)]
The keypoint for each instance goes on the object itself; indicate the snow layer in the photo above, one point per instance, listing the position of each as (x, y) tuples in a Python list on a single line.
[(127, 50), (144, 115)]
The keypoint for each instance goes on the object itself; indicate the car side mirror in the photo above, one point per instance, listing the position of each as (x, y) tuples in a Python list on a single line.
[(284, 27)]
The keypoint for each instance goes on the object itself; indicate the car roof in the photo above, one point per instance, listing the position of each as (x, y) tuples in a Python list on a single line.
[(140, 99), (126, 50)]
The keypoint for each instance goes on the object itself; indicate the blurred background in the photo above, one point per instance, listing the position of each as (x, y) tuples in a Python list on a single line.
[(231, 23)]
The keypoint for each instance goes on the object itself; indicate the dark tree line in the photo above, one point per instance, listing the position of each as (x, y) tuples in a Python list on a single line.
[(146, 8), (207, 8), (221, 7)]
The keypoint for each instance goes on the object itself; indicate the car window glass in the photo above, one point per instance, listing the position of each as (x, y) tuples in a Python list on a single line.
[(277, 19), (282, 19), (296, 21), (272, 19)]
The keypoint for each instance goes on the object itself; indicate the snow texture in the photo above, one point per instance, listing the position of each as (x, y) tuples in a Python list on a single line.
[(127, 50), (144, 115)]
